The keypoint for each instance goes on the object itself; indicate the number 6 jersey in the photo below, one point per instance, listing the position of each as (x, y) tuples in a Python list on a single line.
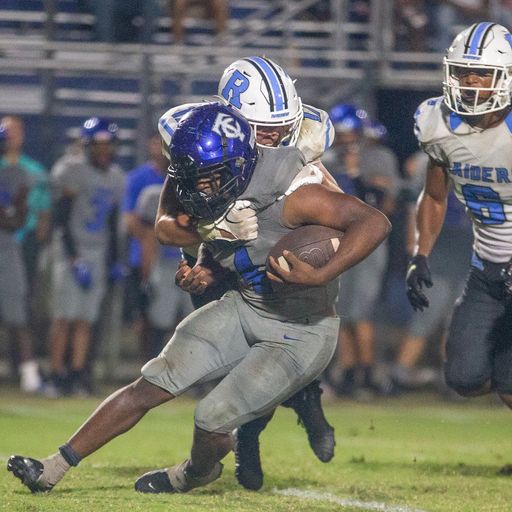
[(479, 163)]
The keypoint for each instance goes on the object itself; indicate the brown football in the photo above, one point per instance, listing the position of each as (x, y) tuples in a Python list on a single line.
[(313, 244)]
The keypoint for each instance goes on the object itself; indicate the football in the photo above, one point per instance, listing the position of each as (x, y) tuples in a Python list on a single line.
[(313, 244)]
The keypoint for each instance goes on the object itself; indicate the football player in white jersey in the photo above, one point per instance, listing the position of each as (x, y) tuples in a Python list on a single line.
[(265, 94), (467, 133)]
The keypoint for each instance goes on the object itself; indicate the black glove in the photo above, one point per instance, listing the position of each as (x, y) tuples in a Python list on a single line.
[(418, 274), (506, 275)]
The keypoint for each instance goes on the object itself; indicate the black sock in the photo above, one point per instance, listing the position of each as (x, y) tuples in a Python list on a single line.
[(70, 456), (367, 376)]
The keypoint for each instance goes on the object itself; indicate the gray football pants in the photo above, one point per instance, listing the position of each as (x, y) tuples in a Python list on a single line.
[(263, 361)]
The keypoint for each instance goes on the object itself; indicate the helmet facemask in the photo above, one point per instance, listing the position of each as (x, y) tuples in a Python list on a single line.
[(207, 193), (478, 69), (288, 132), (467, 100)]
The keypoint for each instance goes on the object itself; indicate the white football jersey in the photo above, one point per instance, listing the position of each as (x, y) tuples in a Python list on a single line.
[(479, 163), (315, 136), (316, 133)]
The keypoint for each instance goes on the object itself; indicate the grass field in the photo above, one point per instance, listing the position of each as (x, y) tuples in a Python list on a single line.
[(403, 455)]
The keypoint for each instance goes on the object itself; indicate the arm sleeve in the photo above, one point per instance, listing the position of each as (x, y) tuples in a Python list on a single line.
[(62, 217), (113, 241)]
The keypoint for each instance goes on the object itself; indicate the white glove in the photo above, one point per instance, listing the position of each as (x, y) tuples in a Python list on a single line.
[(238, 223)]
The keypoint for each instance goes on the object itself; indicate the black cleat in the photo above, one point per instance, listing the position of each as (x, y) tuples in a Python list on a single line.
[(248, 470), (307, 404), (154, 482), (29, 471), (175, 479)]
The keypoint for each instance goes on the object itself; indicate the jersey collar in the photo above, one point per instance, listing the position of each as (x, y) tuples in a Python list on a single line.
[(455, 121)]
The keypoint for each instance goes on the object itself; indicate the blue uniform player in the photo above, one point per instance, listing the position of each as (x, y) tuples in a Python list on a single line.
[(467, 134), (264, 345)]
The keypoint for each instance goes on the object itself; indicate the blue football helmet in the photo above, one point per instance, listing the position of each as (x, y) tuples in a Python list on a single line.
[(374, 129), (98, 129), (347, 117), (213, 153)]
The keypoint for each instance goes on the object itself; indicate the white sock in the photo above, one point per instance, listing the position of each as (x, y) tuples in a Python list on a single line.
[(30, 380), (55, 467)]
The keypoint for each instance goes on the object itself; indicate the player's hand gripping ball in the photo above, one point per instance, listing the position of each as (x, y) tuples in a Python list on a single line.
[(297, 255)]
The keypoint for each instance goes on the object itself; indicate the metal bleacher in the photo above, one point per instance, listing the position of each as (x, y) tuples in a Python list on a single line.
[(55, 74)]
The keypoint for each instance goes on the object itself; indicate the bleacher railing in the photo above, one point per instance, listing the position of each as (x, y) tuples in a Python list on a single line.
[(332, 60)]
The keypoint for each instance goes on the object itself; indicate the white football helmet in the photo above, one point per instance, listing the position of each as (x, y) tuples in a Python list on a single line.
[(264, 94), (486, 47)]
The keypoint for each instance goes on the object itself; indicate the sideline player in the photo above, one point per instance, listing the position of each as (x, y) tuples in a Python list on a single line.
[(14, 189), (167, 304), (136, 303), (467, 134), (249, 337), (90, 189), (264, 93)]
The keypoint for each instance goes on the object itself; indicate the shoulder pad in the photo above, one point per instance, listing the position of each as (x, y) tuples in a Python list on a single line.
[(309, 175), (433, 123), (428, 120), (316, 133), (167, 123)]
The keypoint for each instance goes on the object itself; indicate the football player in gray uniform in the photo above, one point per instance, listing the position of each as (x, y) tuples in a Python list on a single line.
[(266, 96), (467, 134), (15, 184), (167, 303), (265, 345), (89, 189)]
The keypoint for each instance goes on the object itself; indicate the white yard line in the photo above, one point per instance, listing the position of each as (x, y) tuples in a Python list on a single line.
[(363, 505)]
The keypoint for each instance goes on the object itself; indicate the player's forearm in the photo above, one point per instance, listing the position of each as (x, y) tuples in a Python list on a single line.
[(172, 225), (43, 226), (430, 215), (354, 246), (173, 231)]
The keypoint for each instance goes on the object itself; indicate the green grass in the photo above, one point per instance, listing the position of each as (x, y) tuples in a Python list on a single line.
[(413, 452)]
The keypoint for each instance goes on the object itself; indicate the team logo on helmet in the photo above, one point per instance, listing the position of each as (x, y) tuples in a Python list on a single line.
[(228, 126)]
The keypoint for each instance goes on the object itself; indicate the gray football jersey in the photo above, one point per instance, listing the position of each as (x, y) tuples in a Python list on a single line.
[(96, 193), (479, 163), (272, 176), (12, 180), (147, 203)]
